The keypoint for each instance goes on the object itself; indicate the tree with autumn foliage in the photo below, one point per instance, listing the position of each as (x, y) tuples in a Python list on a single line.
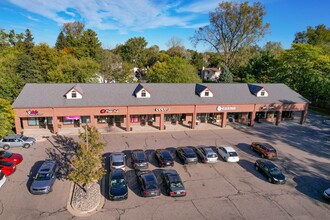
[(87, 166), (7, 116)]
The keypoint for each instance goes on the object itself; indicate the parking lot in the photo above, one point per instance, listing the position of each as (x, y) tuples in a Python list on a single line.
[(214, 191)]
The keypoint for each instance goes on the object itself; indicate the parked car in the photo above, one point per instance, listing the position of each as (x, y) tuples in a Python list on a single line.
[(139, 159), (326, 194), (207, 154), (45, 178), (187, 155), (148, 183), (10, 157), (16, 140), (228, 153), (266, 150), (271, 171), (117, 161), (7, 168), (173, 183), (164, 158), (2, 178), (118, 185)]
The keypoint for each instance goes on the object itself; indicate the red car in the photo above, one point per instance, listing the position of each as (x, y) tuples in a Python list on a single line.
[(10, 157), (7, 167)]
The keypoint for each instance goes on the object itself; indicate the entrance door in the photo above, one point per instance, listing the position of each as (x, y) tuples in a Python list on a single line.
[(76, 123), (42, 122)]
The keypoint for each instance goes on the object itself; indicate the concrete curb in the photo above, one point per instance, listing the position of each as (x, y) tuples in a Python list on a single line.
[(88, 213)]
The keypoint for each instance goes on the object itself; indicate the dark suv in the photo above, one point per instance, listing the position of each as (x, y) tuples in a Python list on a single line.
[(45, 178), (139, 159), (117, 185), (148, 183), (271, 171), (16, 140), (266, 150)]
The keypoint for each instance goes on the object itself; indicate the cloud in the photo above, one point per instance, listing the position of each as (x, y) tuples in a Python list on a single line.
[(121, 15)]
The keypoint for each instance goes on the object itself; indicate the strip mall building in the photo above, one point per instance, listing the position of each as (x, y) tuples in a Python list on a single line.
[(61, 106)]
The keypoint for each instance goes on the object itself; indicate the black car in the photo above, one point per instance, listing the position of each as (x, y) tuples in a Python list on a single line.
[(148, 183), (187, 155), (117, 185), (164, 158), (272, 172), (173, 183), (139, 159)]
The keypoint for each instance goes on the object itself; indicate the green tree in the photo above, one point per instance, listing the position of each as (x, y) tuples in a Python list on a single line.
[(232, 26), (7, 116), (318, 36), (28, 69), (174, 70), (28, 43), (306, 69), (89, 45), (87, 165), (61, 41), (133, 51), (226, 76)]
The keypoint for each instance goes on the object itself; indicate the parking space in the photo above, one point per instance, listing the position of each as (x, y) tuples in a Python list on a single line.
[(214, 191)]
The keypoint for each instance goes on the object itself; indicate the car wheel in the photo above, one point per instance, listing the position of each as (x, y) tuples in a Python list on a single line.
[(257, 168), (270, 180), (263, 156), (26, 146), (6, 147)]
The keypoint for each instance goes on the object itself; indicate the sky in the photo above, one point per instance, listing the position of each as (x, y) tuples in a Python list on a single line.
[(116, 21)]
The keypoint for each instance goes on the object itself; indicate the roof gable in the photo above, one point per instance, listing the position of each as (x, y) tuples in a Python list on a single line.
[(203, 91), (76, 92), (258, 91), (141, 92)]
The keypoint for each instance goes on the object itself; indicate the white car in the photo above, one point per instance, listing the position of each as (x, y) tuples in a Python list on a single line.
[(326, 194), (117, 161), (2, 178), (228, 154)]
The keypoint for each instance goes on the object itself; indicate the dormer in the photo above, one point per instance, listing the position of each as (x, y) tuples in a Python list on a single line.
[(74, 93), (141, 92), (258, 91), (203, 91)]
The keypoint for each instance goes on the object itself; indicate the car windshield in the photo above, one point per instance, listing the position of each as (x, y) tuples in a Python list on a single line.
[(24, 138), (176, 184), (43, 176), (275, 171), (140, 156), (6, 154), (232, 154), (117, 163), (118, 183), (5, 163), (271, 151)]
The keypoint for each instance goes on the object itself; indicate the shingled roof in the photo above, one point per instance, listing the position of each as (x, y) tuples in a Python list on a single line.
[(51, 95)]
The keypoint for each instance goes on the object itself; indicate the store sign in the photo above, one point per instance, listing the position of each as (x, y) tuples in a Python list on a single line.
[(72, 117), (225, 108), (267, 108), (109, 111), (161, 109), (32, 112)]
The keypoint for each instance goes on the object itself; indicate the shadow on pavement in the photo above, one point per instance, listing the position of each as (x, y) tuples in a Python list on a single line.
[(249, 167)]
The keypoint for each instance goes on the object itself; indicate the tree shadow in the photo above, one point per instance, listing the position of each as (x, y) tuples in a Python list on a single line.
[(247, 149), (133, 183), (128, 158), (312, 186), (249, 167)]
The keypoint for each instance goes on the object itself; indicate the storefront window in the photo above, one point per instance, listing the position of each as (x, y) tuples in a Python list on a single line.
[(85, 119), (67, 122), (101, 119), (33, 121), (49, 120), (135, 119)]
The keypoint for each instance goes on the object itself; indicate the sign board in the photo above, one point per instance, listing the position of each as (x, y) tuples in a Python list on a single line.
[(161, 109), (109, 111), (225, 108), (72, 117)]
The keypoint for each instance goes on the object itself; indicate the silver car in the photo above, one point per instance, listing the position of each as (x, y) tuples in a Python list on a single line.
[(45, 178), (207, 154), (16, 140), (117, 161)]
